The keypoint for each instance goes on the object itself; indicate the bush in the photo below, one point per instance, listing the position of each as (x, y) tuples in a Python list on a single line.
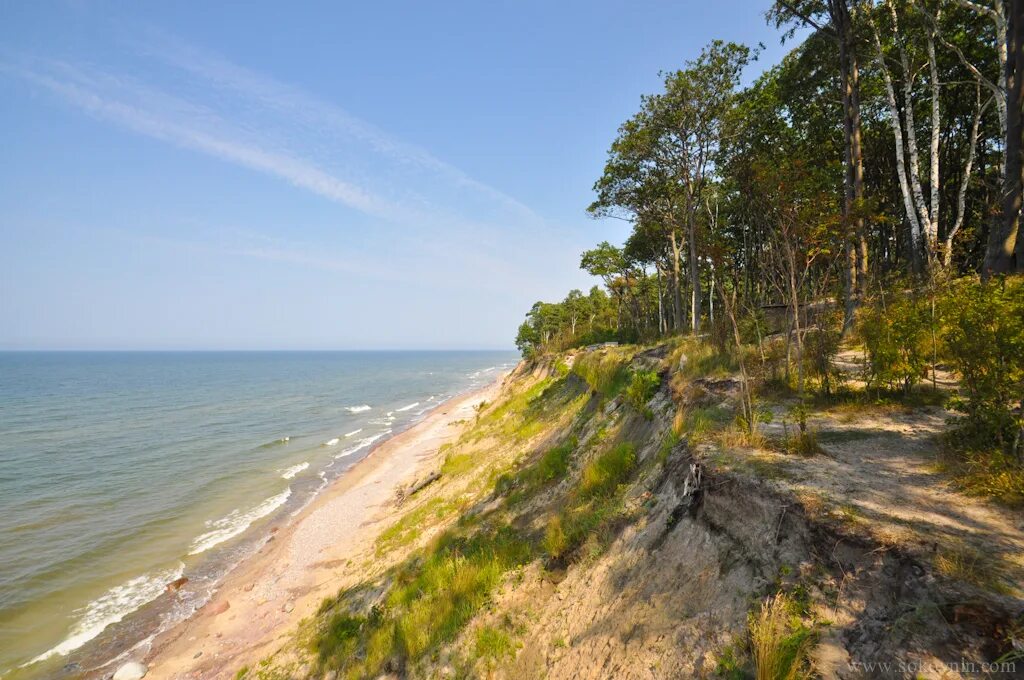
[(642, 386), (984, 336), (820, 349), (897, 336)]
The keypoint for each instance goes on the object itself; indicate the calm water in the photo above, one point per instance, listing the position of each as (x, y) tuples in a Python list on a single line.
[(120, 472)]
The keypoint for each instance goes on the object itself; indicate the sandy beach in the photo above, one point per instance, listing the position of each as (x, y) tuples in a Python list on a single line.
[(261, 601)]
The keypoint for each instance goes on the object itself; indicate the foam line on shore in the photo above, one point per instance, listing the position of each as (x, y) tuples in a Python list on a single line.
[(236, 522)]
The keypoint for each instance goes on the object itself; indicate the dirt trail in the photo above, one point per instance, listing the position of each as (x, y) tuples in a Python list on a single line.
[(879, 475)]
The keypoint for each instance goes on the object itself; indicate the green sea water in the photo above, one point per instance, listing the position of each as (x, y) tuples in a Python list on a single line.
[(122, 471)]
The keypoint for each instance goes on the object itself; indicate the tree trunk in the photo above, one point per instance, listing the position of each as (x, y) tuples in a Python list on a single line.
[(933, 164), (1002, 238), (901, 166), (854, 246), (677, 293), (695, 292), (1014, 192), (961, 200)]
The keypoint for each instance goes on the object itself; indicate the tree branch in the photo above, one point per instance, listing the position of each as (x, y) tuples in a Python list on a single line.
[(824, 30)]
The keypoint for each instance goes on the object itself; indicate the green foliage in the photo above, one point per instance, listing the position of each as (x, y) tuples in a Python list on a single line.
[(550, 467), (605, 371), (700, 422), (820, 349), (731, 665), (779, 641), (575, 321), (990, 474), (642, 386), (555, 541), (895, 330), (554, 464), (430, 601), (703, 360), (984, 337), (409, 526), (603, 475), (670, 441), (494, 644)]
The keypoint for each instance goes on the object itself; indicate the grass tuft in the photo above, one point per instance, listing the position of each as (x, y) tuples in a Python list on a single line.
[(779, 641)]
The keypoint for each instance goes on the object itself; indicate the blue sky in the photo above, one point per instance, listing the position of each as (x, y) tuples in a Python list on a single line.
[(315, 175)]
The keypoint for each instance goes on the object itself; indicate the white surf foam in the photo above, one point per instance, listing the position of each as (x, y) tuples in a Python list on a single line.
[(289, 473), (332, 442), (111, 607), (406, 408), (362, 444), (235, 523), (358, 409), (349, 434)]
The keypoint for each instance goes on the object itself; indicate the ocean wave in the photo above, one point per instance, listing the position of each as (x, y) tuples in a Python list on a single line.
[(406, 408), (111, 607), (276, 442), (332, 442), (362, 444), (358, 409), (236, 522), (349, 434), (293, 470)]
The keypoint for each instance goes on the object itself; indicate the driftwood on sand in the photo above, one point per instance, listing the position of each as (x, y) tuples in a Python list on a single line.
[(403, 493)]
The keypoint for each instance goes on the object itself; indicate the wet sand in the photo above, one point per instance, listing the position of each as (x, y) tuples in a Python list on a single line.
[(260, 603)]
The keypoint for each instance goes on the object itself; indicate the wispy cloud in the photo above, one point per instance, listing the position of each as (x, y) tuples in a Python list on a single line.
[(243, 117), (315, 113), (147, 112)]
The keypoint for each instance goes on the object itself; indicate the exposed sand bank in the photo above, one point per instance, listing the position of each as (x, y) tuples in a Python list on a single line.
[(263, 599)]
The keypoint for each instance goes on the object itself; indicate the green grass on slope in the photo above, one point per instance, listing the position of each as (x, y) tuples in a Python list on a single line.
[(428, 600)]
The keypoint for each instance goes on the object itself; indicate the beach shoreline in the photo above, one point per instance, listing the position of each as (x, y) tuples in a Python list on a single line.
[(264, 597)]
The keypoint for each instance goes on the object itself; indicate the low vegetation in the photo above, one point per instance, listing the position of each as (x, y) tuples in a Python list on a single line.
[(427, 601), (779, 641)]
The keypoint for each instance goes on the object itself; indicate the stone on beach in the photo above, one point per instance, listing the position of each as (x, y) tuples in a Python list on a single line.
[(175, 585), (133, 670)]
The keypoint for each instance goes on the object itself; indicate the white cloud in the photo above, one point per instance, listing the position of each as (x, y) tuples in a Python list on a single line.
[(315, 113)]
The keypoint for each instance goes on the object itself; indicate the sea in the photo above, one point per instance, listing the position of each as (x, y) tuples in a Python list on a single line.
[(122, 472)]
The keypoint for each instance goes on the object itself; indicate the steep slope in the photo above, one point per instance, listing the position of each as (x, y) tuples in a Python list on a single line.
[(589, 525)]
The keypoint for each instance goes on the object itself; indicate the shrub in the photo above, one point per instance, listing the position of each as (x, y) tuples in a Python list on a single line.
[(642, 386), (820, 349), (984, 336), (896, 335)]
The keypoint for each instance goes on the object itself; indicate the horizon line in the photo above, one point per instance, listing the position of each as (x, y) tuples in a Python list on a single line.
[(279, 349)]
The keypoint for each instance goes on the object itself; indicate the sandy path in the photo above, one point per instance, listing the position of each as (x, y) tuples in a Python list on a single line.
[(263, 599)]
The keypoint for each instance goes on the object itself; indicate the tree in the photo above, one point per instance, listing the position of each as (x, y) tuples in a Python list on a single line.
[(833, 19)]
